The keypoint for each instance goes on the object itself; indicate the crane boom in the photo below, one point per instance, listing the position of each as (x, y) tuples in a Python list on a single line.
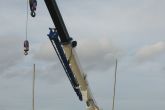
[(64, 47)]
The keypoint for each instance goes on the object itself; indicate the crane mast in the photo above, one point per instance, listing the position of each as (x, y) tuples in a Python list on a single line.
[(64, 46)]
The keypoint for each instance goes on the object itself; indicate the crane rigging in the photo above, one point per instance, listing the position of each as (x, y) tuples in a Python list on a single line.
[(33, 6), (64, 46), (26, 42)]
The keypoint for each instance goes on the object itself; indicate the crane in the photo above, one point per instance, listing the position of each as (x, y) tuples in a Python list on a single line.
[(64, 46)]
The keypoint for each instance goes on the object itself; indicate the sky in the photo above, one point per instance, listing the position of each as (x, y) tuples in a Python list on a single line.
[(131, 31)]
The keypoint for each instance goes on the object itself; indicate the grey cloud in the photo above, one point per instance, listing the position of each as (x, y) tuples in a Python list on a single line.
[(129, 23), (11, 52), (97, 55), (52, 74), (150, 51), (46, 52)]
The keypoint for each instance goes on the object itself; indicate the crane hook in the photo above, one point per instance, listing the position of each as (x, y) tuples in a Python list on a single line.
[(33, 6), (26, 47), (33, 14)]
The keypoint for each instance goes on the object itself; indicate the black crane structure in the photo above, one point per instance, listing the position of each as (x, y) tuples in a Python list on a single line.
[(58, 21), (59, 36)]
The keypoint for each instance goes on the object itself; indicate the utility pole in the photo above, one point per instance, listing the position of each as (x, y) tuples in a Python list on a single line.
[(33, 88), (114, 90)]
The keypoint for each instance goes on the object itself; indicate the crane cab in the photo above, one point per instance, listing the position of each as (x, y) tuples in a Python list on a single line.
[(26, 47)]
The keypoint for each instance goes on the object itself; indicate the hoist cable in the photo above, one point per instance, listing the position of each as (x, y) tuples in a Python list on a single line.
[(27, 12), (114, 90)]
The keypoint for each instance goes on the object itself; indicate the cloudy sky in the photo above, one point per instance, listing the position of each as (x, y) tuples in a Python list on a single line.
[(130, 30)]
